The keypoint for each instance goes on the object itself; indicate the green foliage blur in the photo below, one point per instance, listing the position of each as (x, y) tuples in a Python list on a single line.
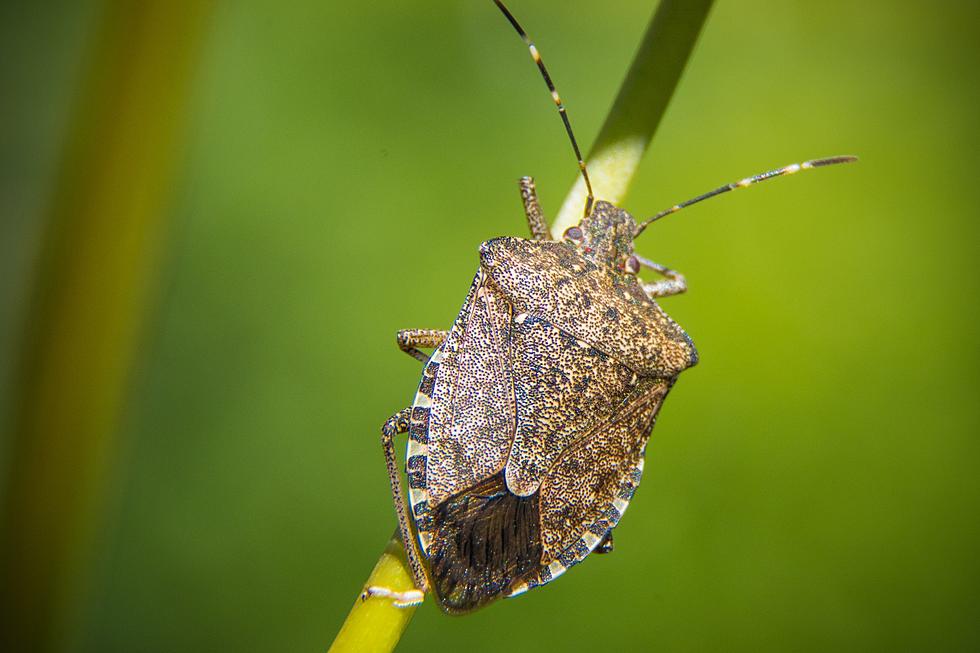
[(811, 485)]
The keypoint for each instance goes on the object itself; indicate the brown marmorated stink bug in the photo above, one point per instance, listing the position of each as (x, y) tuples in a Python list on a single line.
[(528, 430)]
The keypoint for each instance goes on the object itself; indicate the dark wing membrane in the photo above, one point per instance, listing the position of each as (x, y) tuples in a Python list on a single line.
[(471, 422), (550, 280), (485, 538)]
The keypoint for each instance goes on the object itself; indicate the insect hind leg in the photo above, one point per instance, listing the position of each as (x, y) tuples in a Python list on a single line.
[(395, 425), (606, 544), (407, 599)]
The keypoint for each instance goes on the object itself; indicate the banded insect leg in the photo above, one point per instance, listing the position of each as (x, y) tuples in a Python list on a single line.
[(409, 340), (397, 424)]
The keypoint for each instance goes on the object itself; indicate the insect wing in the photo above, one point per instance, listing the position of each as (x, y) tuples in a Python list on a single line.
[(469, 396), (590, 485), (564, 388)]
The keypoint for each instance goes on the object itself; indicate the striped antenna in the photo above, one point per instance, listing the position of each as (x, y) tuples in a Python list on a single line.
[(745, 183), (554, 96)]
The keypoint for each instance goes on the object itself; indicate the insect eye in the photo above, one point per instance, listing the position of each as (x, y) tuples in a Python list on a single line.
[(574, 234), (632, 265)]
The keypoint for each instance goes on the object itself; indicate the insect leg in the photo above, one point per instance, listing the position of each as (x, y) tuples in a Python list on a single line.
[(410, 339), (674, 282), (606, 544), (396, 424), (401, 599), (535, 216)]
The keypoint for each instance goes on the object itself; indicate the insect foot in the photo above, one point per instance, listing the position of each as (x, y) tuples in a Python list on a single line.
[(407, 599)]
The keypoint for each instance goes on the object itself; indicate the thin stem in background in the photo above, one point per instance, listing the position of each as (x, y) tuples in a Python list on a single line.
[(375, 624), (97, 266)]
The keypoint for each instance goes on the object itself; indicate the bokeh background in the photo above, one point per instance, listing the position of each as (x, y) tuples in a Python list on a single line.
[(333, 166)]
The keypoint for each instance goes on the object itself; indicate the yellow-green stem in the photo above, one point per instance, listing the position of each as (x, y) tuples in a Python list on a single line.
[(375, 624)]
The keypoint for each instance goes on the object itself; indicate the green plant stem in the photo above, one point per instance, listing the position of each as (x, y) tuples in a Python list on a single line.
[(639, 106), (93, 283), (376, 625)]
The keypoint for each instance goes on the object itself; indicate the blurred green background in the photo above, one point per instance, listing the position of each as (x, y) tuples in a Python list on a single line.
[(811, 485)]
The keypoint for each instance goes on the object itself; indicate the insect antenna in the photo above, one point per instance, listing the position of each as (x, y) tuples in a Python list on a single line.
[(554, 96), (745, 183)]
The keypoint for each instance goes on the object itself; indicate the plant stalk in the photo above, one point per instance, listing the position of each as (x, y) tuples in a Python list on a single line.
[(376, 624)]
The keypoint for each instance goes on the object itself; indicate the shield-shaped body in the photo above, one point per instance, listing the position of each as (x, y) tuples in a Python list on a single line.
[(528, 430)]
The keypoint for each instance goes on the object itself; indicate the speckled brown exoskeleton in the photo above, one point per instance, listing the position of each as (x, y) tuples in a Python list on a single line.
[(527, 434)]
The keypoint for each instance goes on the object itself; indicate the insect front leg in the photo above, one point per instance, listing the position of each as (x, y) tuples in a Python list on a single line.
[(396, 424), (674, 282), (409, 340), (532, 209)]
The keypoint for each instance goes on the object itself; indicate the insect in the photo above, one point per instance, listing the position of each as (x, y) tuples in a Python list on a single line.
[(527, 434)]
